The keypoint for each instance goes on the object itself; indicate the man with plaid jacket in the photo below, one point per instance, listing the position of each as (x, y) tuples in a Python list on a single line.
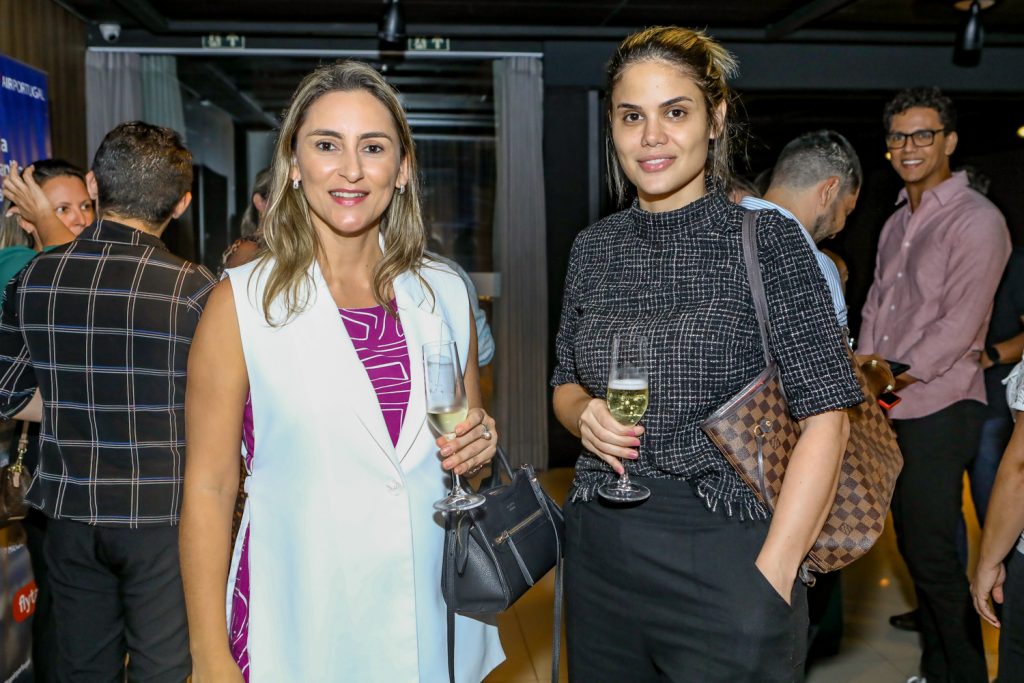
[(102, 326)]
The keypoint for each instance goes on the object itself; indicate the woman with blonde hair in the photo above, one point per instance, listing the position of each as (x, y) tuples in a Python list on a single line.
[(315, 347), (695, 583)]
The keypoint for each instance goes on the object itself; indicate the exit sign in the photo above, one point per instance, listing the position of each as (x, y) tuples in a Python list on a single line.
[(424, 44), (218, 41)]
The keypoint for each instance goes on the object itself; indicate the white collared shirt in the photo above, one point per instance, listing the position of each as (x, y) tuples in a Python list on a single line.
[(828, 268)]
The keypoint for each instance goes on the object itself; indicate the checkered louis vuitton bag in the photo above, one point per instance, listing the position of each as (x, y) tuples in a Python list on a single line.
[(756, 434)]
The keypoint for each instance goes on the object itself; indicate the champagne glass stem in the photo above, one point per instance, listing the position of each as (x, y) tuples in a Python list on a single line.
[(457, 489)]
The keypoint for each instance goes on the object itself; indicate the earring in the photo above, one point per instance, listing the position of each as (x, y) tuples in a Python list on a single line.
[(401, 189), (295, 184)]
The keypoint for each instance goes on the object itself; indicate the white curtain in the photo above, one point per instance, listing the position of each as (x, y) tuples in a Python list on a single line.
[(521, 312), (161, 93), (113, 82), (124, 86)]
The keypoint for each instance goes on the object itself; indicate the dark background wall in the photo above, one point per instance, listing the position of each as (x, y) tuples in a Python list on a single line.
[(43, 35)]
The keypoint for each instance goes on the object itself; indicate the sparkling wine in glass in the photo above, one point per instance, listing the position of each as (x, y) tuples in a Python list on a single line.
[(628, 395), (446, 408)]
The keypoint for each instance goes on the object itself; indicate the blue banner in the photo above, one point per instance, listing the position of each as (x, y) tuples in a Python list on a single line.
[(24, 115)]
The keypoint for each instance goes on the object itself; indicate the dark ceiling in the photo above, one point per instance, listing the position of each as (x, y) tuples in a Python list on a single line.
[(824, 42), (842, 15), (449, 95)]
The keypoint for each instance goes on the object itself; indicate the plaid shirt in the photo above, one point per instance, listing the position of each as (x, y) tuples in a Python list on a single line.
[(103, 327)]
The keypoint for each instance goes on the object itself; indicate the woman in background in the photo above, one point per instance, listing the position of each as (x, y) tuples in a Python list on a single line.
[(696, 583), (248, 246), (336, 572), (63, 186), (65, 189)]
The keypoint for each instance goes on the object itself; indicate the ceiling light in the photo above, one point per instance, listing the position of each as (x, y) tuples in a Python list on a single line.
[(964, 5), (971, 36), (1020, 132), (391, 30)]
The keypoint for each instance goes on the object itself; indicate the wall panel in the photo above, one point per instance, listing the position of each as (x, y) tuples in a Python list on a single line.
[(44, 35)]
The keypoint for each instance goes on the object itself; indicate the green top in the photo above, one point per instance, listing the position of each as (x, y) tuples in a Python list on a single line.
[(13, 259)]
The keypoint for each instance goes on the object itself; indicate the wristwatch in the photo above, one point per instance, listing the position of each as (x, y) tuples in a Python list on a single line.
[(993, 354)]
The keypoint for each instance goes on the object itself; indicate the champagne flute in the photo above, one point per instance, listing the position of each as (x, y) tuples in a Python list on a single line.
[(627, 397), (446, 408)]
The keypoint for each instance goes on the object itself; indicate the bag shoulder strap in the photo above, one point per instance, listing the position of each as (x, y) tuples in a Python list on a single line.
[(498, 465), (18, 464), (754, 278), (451, 645), (556, 634), (553, 511)]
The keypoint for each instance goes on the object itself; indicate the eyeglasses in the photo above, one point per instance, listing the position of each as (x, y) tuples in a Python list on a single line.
[(922, 138)]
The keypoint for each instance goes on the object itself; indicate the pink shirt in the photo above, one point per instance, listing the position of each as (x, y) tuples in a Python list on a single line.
[(936, 275)]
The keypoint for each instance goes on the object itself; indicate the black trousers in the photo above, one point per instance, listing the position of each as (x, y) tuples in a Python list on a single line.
[(926, 510), (1011, 632), (44, 636), (115, 592), (668, 591)]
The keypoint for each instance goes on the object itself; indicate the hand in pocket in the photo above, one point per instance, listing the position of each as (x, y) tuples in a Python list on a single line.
[(781, 584)]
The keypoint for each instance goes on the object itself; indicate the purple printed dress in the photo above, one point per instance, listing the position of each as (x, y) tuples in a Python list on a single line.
[(380, 344)]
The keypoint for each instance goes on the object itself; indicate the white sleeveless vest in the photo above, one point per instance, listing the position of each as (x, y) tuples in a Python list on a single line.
[(345, 548)]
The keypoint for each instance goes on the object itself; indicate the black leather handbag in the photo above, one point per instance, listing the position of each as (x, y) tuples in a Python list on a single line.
[(494, 553)]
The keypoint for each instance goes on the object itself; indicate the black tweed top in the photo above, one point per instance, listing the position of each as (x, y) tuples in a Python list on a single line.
[(678, 277)]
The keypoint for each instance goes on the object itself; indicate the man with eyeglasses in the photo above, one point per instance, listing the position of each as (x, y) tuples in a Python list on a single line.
[(939, 261)]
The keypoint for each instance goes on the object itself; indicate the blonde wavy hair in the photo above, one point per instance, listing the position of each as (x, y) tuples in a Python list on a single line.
[(701, 58), (292, 242)]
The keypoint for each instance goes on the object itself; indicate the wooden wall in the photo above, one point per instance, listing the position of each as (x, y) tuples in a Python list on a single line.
[(44, 35)]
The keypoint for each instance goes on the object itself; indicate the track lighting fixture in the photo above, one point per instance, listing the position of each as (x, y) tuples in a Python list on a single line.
[(971, 36), (391, 30)]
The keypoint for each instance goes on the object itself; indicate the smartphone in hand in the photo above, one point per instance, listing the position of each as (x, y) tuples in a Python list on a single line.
[(887, 399), (897, 367)]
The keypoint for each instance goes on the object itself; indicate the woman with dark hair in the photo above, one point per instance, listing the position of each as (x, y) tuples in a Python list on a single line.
[(696, 583), (316, 349), (63, 185), (65, 190), (248, 246)]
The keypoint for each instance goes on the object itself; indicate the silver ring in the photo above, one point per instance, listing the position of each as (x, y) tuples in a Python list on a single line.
[(473, 472), (487, 433)]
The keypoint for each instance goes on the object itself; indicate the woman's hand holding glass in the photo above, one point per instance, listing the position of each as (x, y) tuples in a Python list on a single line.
[(606, 437), (447, 413), (474, 445), (627, 399)]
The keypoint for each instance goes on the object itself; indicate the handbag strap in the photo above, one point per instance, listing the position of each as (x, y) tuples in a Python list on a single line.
[(22, 446), (495, 477), (754, 278), (556, 627), (449, 579), (761, 311)]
